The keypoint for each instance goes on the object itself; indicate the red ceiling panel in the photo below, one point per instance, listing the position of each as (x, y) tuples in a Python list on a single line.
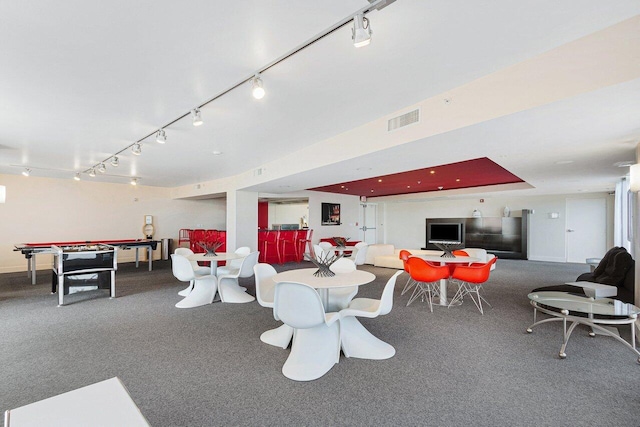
[(467, 174)]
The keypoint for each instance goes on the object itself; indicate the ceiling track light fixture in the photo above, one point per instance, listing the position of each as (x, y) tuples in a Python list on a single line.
[(115, 161), (92, 173), (134, 181), (196, 117), (161, 137), (26, 172), (102, 168), (77, 176), (257, 89), (361, 35), (136, 149), (361, 31)]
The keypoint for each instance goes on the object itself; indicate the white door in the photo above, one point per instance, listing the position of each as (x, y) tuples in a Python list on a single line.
[(586, 229), (368, 221)]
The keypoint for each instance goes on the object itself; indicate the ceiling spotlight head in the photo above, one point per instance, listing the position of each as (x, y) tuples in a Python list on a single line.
[(134, 181), (102, 168), (77, 177), (115, 161), (26, 172), (161, 137), (136, 149), (257, 90), (361, 31), (197, 118), (92, 173)]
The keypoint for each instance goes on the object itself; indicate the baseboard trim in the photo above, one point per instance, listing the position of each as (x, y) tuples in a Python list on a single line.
[(546, 259)]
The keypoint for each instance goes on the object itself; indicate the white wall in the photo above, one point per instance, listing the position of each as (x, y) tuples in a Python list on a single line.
[(404, 222), (44, 209), (287, 213), (349, 206)]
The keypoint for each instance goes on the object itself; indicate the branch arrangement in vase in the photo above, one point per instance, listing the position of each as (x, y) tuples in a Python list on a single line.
[(210, 248), (323, 262)]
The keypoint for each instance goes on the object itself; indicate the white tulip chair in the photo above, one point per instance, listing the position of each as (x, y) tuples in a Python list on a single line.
[(198, 270), (230, 290), (316, 334), (339, 298), (235, 264), (204, 287), (360, 253), (357, 341), (265, 291)]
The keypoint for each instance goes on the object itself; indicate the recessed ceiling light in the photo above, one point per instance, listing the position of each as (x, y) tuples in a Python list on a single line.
[(342, 186), (564, 162), (408, 186), (372, 191), (216, 153), (419, 182), (379, 180), (457, 179), (432, 172)]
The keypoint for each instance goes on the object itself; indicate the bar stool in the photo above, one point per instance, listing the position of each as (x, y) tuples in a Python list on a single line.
[(304, 242), (289, 238), (271, 243)]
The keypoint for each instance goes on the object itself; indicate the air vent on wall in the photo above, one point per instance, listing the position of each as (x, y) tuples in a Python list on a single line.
[(404, 120)]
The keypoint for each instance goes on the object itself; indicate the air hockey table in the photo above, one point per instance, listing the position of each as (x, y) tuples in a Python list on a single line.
[(30, 250)]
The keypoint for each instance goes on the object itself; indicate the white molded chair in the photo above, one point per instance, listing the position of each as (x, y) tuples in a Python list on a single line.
[(356, 340), (234, 264), (198, 270), (204, 287), (318, 251), (360, 253), (326, 248), (265, 291), (316, 334), (230, 290), (339, 298)]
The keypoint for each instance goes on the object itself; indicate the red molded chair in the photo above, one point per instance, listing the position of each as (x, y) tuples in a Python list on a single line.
[(404, 256), (427, 277), (470, 280), (457, 252)]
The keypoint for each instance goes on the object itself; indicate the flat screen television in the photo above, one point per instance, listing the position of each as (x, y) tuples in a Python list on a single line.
[(449, 233)]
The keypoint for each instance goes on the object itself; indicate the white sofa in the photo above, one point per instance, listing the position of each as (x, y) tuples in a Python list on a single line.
[(385, 255)]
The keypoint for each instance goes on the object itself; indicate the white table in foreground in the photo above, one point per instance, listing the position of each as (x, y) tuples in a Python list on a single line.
[(323, 284), (106, 403), (444, 261), (356, 340), (220, 256)]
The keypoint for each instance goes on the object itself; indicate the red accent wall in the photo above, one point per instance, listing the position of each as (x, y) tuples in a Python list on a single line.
[(263, 215)]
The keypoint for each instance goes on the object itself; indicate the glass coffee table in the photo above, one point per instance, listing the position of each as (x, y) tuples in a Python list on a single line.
[(564, 306)]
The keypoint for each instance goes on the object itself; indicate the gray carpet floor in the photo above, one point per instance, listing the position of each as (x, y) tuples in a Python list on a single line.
[(207, 366)]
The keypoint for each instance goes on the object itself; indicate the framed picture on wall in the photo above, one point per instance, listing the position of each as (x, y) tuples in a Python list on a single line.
[(330, 214)]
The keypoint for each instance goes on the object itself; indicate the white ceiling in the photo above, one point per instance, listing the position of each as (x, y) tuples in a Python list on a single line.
[(82, 80)]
